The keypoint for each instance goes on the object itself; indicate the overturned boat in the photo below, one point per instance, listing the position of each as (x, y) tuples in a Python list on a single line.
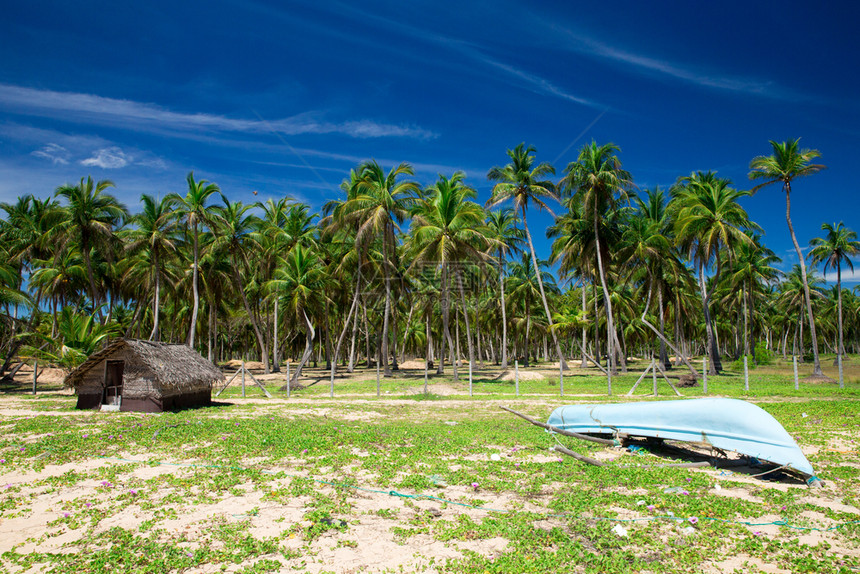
[(725, 424)]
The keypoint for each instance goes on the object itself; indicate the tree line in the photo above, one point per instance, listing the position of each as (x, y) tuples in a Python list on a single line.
[(392, 270)]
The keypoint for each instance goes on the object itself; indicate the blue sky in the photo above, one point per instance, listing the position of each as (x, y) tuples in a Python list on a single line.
[(285, 98)]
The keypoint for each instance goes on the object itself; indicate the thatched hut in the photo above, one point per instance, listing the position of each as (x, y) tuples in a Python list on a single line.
[(132, 375)]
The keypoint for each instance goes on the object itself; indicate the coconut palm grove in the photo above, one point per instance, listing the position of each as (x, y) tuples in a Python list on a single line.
[(429, 286), (395, 269)]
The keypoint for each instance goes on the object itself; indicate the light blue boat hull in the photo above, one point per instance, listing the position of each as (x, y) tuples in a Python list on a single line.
[(729, 424)]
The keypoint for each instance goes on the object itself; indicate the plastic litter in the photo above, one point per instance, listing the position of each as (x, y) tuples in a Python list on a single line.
[(620, 530)]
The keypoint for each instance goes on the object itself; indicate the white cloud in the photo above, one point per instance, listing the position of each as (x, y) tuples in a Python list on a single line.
[(152, 118), (536, 83), (55, 153), (108, 158), (587, 44)]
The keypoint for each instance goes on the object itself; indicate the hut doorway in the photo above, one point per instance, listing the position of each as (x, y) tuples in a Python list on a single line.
[(112, 394)]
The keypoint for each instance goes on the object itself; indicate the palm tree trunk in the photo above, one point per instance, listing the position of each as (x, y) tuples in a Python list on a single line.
[(153, 336), (816, 367), (840, 349), (504, 312), (662, 338), (310, 333), (387, 312), (211, 343), (542, 294), (466, 315), (276, 359), (85, 251), (366, 331), (664, 358), (610, 327), (716, 364), (264, 353), (194, 308), (351, 367), (678, 339), (345, 327), (584, 364), (327, 336), (746, 323), (446, 319)]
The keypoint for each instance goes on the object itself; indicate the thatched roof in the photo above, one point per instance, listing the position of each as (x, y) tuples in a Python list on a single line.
[(175, 366)]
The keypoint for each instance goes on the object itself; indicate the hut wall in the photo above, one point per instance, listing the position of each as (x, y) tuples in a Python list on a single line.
[(91, 386)]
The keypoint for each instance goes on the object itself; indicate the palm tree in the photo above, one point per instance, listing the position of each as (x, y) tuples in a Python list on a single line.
[(522, 181), (784, 165), (233, 232), (502, 225), (91, 216), (647, 248), (380, 204), (155, 236), (752, 269), (524, 286), (303, 280), (792, 297), (449, 228), (709, 219), (836, 248), (598, 176), (192, 208)]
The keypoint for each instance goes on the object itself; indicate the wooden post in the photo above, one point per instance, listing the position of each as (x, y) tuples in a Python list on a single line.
[(654, 375), (36, 374), (262, 388), (288, 379), (331, 391), (243, 378), (838, 359), (705, 375), (517, 376), (425, 376), (746, 375), (796, 380), (377, 378), (609, 377)]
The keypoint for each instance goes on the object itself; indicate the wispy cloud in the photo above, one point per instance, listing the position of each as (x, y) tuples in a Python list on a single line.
[(55, 153), (523, 78), (153, 118), (108, 158), (532, 81), (584, 43)]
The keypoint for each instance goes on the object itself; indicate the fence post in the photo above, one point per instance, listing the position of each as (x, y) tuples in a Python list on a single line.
[(796, 380), (288, 379), (654, 374), (705, 375), (36, 374), (377, 378), (838, 358), (608, 376), (331, 392), (243, 378), (746, 375)]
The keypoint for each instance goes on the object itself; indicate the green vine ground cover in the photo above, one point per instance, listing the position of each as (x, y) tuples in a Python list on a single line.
[(411, 482)]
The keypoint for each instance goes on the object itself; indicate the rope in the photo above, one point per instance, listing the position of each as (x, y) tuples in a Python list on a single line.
[(397, 494)]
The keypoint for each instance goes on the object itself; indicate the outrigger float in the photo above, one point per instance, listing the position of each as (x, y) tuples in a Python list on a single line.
[(716, 424)]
